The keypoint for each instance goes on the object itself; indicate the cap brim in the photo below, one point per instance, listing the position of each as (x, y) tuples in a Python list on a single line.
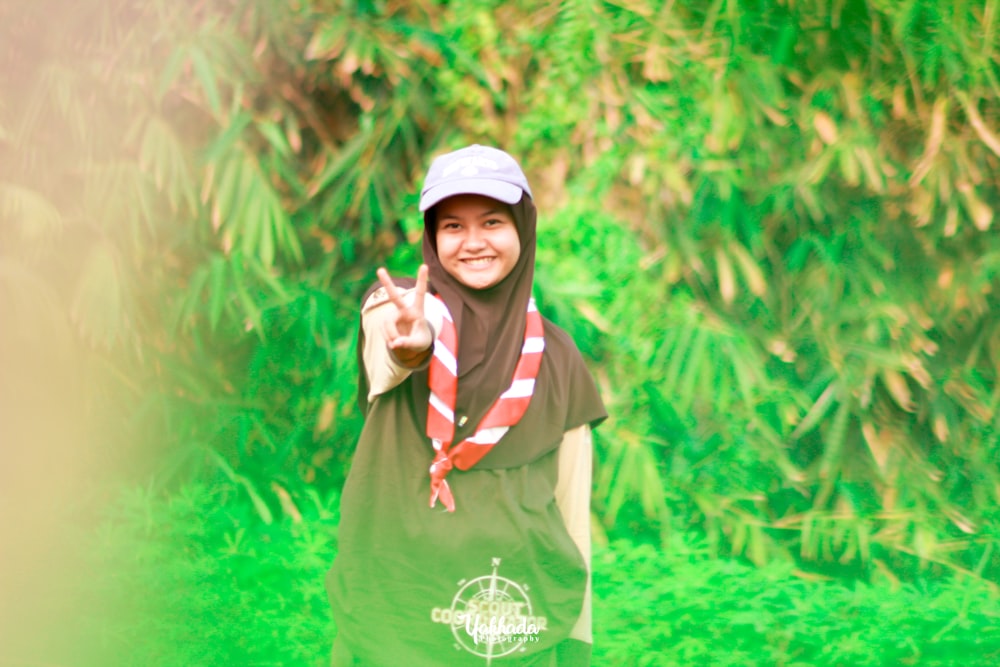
[(508, 193)]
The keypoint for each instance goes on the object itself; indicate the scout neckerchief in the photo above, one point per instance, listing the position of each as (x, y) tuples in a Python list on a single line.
[(506, 411)]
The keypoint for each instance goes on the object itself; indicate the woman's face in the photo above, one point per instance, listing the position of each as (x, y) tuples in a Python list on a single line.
[(477, 241)]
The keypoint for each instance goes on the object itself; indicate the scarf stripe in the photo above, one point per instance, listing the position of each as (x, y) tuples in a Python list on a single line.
[(488, 436), (443, 411), (520, 389), (444, 356), (506, 411), (533, 344)]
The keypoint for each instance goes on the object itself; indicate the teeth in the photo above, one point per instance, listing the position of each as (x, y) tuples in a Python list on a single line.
[(480, 261)]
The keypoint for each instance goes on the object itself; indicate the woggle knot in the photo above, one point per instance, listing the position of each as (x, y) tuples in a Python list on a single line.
[(442, 465)]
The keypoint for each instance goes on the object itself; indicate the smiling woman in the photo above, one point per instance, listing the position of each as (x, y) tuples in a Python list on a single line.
[(465, 519)]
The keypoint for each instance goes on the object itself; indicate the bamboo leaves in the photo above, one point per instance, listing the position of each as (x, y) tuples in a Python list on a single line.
[(828, 264), (631, 471), (162, 154), (768, 225), (232, 289), (247, 212)]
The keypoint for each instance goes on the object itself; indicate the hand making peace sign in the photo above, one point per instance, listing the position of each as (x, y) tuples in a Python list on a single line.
[(408, 335)]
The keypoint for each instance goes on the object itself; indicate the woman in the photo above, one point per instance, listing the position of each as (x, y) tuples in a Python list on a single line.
[(464, 535)]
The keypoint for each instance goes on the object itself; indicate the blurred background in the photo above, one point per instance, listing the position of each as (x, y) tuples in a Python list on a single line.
[(768, 225)]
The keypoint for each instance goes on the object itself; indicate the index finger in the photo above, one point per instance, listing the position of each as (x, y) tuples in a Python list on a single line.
[(421, 287), (390, 287)]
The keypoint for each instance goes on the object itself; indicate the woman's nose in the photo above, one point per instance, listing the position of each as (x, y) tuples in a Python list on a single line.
[(475, 238)]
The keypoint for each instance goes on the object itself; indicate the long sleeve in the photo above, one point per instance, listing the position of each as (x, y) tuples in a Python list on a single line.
[(573, 498), (381, 366)]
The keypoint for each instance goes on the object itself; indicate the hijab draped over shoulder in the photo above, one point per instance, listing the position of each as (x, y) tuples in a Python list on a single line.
[(490, 325)]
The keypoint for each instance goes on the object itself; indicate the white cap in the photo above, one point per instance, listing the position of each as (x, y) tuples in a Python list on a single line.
[(474, 170)]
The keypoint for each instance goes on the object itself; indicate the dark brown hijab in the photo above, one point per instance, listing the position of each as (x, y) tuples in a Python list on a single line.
[(490, 322)]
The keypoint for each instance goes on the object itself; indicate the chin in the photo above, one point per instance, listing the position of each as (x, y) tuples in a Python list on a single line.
[(479, 284), (477, 280)]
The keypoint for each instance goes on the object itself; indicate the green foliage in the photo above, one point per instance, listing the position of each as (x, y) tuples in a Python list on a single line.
[(679, 606), (767, 224), (794, 349), (197, 578)]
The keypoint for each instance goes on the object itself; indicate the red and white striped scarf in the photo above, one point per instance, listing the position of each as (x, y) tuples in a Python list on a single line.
[(506, 411)]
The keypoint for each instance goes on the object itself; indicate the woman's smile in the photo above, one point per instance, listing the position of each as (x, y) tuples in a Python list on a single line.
[(479, 261)]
